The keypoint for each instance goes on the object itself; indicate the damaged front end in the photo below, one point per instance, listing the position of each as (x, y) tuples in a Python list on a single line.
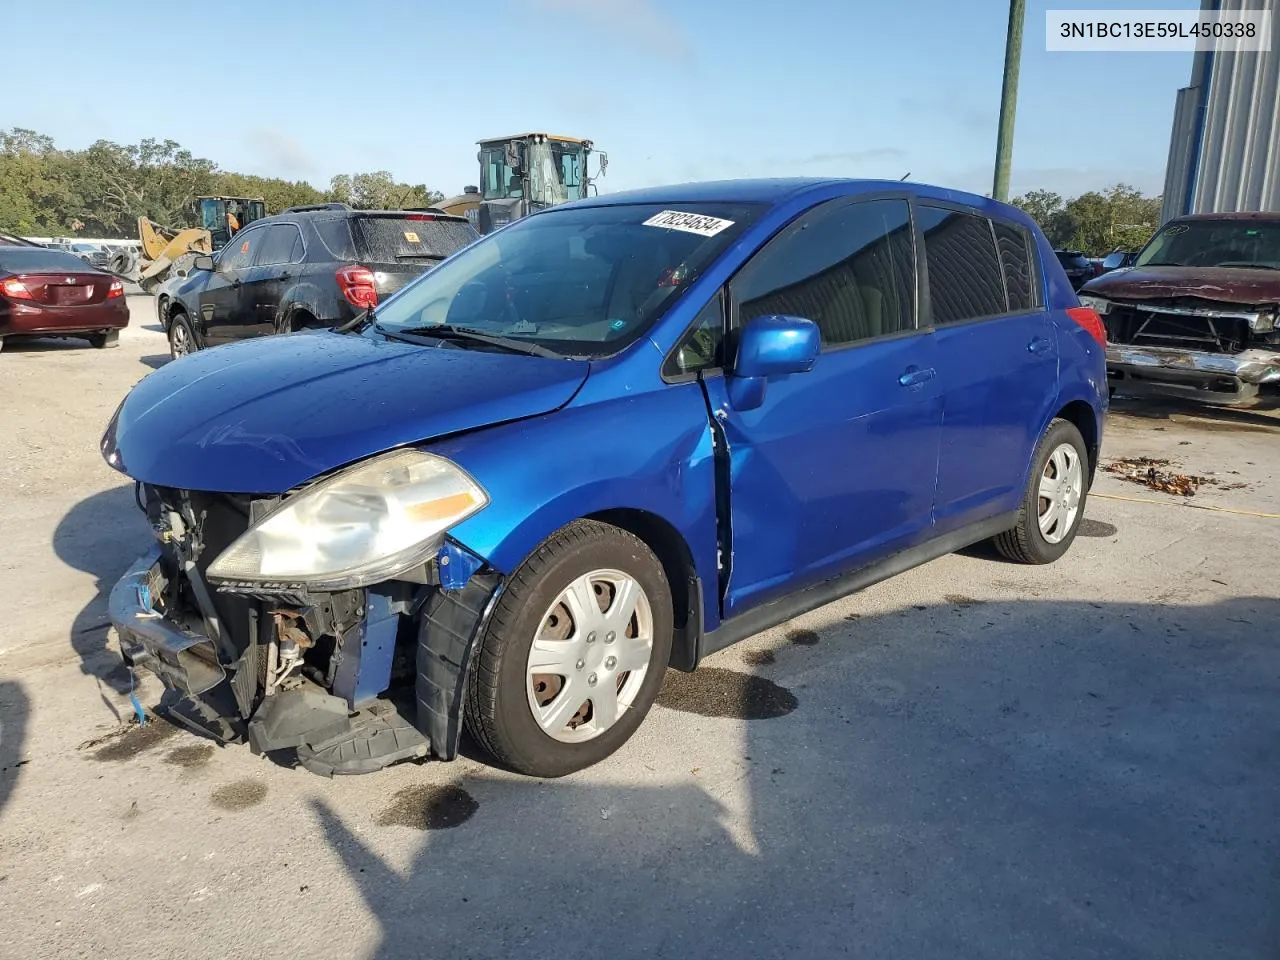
[(1183, 346), (353, 675)]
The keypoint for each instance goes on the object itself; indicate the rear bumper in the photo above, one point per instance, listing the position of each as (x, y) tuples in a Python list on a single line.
[(34, 320), (1214, 376)]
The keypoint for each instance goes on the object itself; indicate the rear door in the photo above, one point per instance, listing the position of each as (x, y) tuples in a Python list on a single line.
[(225, 312), (400, 246), (836, 467), (273, 269), (997, 359)]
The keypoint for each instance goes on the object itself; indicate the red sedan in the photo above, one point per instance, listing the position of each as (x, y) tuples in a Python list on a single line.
[(48, 293)]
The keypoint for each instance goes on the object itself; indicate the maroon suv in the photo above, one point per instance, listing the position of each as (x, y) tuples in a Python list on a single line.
[(48, 293), (1196, 314)]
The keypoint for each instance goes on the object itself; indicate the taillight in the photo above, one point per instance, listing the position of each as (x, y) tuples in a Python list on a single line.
[(116, 289), (356, 284), (1088, 318), (16, 289)]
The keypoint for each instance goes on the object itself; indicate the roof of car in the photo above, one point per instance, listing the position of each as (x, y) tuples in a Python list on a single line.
[(775, 190), (1230, 215)]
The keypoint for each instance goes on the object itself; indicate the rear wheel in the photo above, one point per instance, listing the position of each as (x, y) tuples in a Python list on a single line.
[(1054, 500), (108, 339), (574, 654), (182, 340)]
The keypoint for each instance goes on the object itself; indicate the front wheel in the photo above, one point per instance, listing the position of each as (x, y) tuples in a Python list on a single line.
[(1053, 503), (574, 654), (182, 340)]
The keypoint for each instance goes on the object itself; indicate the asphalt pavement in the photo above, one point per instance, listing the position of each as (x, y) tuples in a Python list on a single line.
[(975, 759)]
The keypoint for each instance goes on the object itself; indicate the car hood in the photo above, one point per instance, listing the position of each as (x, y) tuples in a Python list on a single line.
[(266, 415), (1222, 284)]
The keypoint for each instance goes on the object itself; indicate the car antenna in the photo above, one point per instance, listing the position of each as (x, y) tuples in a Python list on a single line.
[(904, 176)]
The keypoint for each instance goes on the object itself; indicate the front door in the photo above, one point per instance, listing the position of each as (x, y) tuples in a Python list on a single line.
[(222, 302), (266, 279), (997, 356), (836, 467)]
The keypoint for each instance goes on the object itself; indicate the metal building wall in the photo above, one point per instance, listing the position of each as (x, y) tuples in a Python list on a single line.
[(1224, 152)]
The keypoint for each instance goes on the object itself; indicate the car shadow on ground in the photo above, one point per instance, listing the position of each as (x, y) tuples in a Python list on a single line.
[(44, 345), (1264, 413), (1027, 778), (101, 535), (14, 711), (156, 360)]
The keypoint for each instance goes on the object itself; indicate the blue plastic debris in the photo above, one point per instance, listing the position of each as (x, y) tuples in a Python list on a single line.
[(133, 699)]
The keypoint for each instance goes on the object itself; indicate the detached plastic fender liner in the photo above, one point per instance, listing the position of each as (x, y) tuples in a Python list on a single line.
[(450, 625)]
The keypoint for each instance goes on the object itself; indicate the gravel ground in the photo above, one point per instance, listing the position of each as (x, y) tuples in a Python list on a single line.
[(972, 760)]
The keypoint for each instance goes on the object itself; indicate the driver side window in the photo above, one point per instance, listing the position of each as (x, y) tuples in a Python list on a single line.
[(238, 253)]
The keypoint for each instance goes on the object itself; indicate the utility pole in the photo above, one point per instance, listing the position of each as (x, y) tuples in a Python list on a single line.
[(1008, 99)]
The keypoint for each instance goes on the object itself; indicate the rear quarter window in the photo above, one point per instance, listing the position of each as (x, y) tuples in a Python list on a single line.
[(388, 239), (336, 236)]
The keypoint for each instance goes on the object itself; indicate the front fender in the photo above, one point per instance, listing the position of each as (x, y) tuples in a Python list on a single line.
[(650, 452)]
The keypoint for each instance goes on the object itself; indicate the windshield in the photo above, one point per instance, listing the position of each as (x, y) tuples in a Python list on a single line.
[(555, 171), (582, 282), (1214, 243)]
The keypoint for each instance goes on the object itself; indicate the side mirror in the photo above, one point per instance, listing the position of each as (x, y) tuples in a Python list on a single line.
[(771, 346), (204, 262), (775, 346)]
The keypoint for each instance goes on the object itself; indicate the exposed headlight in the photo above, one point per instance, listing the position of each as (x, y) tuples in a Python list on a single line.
[(361, 526), (1100, 304)]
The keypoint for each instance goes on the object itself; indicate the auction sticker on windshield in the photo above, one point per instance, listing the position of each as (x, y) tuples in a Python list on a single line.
[(697, 223)]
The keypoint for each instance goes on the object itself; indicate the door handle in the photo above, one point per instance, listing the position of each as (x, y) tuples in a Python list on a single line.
[(1039, 345), (914, 377), (235, 284), (284, 276)]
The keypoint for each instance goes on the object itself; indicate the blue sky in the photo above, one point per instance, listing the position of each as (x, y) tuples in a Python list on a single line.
[(673, 89)]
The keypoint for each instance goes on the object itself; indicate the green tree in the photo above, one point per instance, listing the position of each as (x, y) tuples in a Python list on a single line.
[(380, 191)]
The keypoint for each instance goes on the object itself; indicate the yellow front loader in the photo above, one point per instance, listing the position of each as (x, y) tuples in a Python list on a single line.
[(166, 250)]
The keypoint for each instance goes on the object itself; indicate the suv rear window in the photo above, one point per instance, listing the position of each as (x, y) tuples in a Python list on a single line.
[(392, 239)]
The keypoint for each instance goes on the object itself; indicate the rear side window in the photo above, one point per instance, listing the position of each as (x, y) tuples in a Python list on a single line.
[(278, 245), (1015, 256), (336, 236), (392, 239), (965, 282), (848, 267)]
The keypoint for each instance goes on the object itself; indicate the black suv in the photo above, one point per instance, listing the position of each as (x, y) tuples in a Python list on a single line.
[(313, 266), (1077, 266)]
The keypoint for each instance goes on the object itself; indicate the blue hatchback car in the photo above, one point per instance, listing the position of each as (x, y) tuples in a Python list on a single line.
[(609, 439)]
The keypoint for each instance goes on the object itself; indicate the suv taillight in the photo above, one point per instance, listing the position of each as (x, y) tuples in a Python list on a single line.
[(115, 290), (1088, 318), (356, 284)]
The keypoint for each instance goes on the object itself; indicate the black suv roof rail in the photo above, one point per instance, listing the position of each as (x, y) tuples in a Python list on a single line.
[(308, 207)]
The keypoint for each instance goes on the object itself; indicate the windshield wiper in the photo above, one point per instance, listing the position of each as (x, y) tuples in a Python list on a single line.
[(1249, 265), (419, 256), (359, 320), (447, 331)]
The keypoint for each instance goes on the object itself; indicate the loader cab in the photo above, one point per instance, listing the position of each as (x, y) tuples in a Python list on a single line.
[(528, 172), (226, 216)]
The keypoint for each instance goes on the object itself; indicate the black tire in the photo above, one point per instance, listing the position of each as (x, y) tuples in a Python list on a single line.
[(179, 328), (102, 340), (1025, 543), (497, 710)]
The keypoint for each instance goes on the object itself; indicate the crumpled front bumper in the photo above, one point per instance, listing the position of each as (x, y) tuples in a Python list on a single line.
[(1194, 372), (184, 660)]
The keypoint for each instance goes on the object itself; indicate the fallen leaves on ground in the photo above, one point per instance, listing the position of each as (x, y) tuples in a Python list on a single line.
[(1149, 472)]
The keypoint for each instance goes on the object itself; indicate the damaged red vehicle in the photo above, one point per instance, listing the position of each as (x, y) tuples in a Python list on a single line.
[(1196, 314)]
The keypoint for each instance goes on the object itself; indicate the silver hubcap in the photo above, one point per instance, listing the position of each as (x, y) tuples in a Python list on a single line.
[(179, 340), (1061, 489), (590, 657)]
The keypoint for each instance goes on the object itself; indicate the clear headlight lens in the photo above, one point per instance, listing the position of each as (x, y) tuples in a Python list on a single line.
[(360, 526), (1100, 304)]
